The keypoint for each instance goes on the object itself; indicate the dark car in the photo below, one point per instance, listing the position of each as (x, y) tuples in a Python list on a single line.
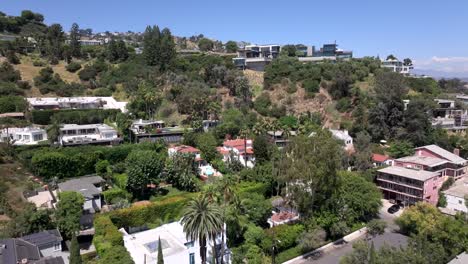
[(393, 209)]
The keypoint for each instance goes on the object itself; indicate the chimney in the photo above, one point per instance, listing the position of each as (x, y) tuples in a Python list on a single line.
[(456, 151)]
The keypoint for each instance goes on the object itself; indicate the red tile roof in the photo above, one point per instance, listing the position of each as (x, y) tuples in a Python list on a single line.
[(379, 157), (234, 143), (186, 149)]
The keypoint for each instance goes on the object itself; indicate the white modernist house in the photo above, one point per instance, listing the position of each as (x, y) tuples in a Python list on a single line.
[(143, 246), (344, 136), (71, 134), (40, 103), (456, 195), (397, 66), (23, 136)]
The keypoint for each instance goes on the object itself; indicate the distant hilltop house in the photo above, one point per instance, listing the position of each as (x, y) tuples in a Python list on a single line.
[(89, 42), (71, 134), (59, 103), (419, 177), (176, 247), (23, 136), (154, 130), (397, 66), (240, 150), (205, 170), (256, 57)]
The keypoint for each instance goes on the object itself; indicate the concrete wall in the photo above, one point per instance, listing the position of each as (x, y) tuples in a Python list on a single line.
[(456, 203)]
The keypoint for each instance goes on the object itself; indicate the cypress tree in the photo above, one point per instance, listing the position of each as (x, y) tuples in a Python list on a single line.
[(160, 253), (75, 45), (75, 257)]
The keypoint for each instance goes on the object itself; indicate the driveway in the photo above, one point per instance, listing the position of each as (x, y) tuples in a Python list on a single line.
[(390, 237)]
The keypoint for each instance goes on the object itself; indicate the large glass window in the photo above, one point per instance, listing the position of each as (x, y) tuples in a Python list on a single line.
[(38, 137)]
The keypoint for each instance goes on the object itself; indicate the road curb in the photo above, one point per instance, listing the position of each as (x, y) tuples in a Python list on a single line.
[(347, 239)]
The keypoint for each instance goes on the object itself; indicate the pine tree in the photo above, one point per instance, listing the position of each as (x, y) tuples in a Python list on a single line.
[(167, 49), (75, 257), (151, 42), (122, 50), (112, 52), (75, 45), (160, 253)]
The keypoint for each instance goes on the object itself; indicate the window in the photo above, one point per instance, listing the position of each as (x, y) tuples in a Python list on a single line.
[(189, 244), (57, 246), (460, 201), (192, 258), (38, 137)]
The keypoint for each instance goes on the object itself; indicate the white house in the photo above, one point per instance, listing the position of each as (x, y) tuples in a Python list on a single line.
[(23, 136), (239, 149), (87, 102), (71, 134), (397, 66), (176, 248), (456, 195), (344, 136)]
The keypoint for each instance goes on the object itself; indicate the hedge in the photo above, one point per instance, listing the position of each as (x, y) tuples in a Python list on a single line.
[(73, 116), (71, 162), (245, 188), (288, 254), (109, 242), (165, 211)]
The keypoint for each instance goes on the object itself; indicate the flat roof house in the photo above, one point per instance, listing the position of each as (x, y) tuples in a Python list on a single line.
[(419, 177), (86, 102), (397, 66), (23, 136), (455, 196), (72, 134), (143, 246), (154, 130), (256, 57)]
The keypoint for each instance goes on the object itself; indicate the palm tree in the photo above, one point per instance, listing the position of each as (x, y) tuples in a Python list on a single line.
[(202, 221)]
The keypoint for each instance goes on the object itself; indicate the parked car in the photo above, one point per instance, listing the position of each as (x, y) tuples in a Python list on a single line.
[(393, 209)]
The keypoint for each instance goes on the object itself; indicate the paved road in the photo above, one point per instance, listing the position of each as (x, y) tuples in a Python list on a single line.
[(390, 237)]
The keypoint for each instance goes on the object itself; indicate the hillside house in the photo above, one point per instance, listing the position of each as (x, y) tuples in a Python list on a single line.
[(20, 136), (238, 149), (100, 134), (205, 170)]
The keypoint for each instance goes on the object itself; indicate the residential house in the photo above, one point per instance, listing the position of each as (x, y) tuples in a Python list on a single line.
[(71, 134), (329, 52), (209, 124), (397, 66), (176, 248), (238, 149), (419, 177), (49, 243), (154, 130), (23, 136), (19, 251), (380, 160), (91, 189), (343, 135), (59, 103), (447, 116), (205, 170), (280, 138), (256, 57), (282, 213), (456, 196)]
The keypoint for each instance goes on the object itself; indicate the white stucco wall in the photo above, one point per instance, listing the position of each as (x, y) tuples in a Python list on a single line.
[(456, 203)]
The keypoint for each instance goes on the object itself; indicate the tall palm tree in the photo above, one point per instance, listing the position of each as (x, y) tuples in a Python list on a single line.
[(202, 221)]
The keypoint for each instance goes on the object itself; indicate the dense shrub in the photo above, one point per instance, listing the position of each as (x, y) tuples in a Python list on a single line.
[(25, 85), (113, 194), (245, 188), (12, 104), (73, 116), (8, 88), (39, 63), (311, 86), (262, 104), (73, 66), (102, 92), (286, 235)]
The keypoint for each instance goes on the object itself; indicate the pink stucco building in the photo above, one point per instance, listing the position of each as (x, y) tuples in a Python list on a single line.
[(419, 177)]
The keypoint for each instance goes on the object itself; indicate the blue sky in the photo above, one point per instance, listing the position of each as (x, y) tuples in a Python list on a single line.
[(433, 33)]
